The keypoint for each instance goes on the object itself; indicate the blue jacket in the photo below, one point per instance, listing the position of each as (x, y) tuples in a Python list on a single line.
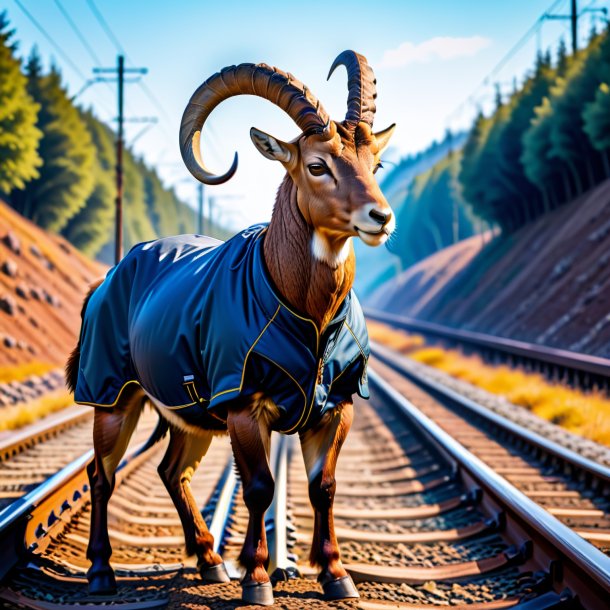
[(196, 323)]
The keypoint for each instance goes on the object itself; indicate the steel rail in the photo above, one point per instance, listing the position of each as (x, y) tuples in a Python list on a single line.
[(277, 526), (222, 511), (581, 560), (583, 363), (581, 463), (19, 440), (25, 522)]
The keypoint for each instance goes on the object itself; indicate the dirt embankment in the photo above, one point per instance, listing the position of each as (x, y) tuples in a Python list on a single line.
[(549, 283), (43, 280)]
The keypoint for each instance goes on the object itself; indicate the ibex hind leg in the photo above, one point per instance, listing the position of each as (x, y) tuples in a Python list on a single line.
[(176, 470), (112, 430)]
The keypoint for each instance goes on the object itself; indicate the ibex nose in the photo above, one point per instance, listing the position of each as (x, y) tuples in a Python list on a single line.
[(380, 217)]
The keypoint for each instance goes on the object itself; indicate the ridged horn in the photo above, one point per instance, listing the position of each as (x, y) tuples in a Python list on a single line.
[(360, 86), (280, 88)]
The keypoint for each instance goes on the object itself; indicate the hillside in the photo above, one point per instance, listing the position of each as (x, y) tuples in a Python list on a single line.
[(547, 283), (43, 280)]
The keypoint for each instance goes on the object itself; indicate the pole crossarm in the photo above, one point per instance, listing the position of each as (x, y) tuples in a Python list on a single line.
[(573, 17), (125, 70)]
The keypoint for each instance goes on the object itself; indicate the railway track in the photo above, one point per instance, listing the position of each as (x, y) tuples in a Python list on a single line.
[(571, 487), (31, 455), (578, 369), (422, 523)]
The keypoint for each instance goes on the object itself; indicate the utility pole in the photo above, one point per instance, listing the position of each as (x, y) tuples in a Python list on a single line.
[(211, 201), (120, 71), (213, 212), (118, 222), (573, 17), (574, 20), (200, 228)]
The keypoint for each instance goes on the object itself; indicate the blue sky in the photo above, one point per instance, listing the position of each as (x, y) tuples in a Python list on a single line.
[(428, 58)]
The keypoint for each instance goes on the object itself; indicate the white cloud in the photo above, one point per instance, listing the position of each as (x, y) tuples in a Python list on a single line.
[(437, 48)]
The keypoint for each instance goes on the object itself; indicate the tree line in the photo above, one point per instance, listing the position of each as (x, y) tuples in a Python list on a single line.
[(57, 164), (434, 214), (546, 144)]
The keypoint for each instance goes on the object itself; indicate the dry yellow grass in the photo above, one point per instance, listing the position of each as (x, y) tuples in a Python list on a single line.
[(24, 413), (19, 372), (584, 413), (399, 341)]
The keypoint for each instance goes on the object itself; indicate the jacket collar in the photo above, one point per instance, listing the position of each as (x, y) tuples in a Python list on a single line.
[(302, 328)]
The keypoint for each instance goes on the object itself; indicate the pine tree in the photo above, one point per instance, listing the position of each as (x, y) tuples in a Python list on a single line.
[(161, 206), (19, 136), (93, 225), (569, 142), (433, 215), (517, 189), (563, 59), (596, 114), (137, 225), (471, 168), (544, 172), (66, 177), (597, 118)]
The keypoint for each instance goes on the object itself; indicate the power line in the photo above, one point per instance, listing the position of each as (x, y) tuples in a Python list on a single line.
[(61, 52), (147, 92), (505, 59), (115, 41), (105, 27), (85, 44), (51, 40), (77, 31)]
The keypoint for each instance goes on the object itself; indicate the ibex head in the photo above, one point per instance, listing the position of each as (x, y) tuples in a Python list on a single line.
[(332, 164)]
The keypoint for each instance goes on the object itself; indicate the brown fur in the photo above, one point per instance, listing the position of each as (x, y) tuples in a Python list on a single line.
[(309, 286), (326, 439), (251, 440)]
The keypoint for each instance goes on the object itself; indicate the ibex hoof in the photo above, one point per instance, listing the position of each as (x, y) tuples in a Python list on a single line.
[(102, 582), (215, 574), (340, 588), (259, 593)]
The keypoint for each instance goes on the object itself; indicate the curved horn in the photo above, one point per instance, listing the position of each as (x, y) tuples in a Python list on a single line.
[(278, 87), (360, 85)]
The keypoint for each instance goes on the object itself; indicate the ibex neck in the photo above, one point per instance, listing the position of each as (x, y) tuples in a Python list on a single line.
[(309, 286)]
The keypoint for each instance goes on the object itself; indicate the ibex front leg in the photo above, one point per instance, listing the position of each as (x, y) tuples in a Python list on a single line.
[(250, 438), (321, 446)]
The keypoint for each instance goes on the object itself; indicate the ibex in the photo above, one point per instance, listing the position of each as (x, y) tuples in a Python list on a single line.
[(257, 334)]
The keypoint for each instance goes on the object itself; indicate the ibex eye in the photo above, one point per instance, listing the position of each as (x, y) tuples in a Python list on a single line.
[(317, 169)]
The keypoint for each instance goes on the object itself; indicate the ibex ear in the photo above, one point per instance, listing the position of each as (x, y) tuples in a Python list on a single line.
[(383, 137), (270, 147)]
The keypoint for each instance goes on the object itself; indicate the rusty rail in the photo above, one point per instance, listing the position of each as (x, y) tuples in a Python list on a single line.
[(586, 369), (575, 461), (571, 561), (26, 522)]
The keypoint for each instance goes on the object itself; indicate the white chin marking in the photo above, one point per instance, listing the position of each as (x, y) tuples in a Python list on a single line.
[(373, 240), (321, 250)]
